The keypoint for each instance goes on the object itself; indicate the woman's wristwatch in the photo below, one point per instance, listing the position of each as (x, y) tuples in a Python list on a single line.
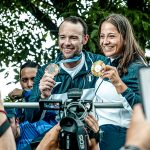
[(129, 147)]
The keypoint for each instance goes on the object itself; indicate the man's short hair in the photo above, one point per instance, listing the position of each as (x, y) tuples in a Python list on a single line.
[(29, 64), (75, 20)]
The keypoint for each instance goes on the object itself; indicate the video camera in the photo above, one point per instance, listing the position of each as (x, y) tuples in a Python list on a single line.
[(73, 135)]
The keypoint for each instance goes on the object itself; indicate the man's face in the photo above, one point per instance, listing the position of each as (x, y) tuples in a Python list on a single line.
[(26, 77), (71, 39), (14, 123)]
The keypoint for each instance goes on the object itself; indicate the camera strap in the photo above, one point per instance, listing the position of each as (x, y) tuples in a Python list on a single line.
[(82, 138)]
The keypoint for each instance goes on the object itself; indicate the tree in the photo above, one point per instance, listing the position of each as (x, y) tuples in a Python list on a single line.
[(22, 38)]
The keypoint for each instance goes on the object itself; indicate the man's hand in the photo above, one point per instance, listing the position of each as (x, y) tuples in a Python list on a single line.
[(16, 94), (50, 140), (46, 85), (93, 125), (138, 133)]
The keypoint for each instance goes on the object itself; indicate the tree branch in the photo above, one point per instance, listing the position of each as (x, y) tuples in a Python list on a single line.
[(39, 15)]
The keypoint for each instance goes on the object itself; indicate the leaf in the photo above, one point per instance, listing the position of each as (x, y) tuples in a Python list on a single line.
[(1, 70), (94, 33)]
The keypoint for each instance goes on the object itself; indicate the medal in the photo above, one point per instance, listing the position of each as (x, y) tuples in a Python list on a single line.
[(52, 69), (97, 68)]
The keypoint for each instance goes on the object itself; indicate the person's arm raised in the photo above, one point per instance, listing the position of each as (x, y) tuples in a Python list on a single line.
[(46, 85), (138, 134), (7, 141), (50, 140)]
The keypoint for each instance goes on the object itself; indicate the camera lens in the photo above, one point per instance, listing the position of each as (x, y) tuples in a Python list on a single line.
[(68, 124)]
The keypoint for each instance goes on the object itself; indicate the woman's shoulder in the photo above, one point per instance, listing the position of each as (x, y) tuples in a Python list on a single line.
[(133, 68), (136, 65)]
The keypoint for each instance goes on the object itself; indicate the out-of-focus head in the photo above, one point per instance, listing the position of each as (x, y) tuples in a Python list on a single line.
[(27, 74), (14, 122), (72, 36)]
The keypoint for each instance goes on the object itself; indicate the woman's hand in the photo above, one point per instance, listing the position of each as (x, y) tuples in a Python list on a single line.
[(111, 73)]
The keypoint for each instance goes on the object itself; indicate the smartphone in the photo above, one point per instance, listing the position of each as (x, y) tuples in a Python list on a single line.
[(144, 76)]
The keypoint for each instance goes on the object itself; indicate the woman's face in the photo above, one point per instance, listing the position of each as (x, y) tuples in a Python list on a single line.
[(111, 41)]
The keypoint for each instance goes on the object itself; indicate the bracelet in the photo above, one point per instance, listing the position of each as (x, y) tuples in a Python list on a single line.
[(3, 111), (5, 125), (129, 147)]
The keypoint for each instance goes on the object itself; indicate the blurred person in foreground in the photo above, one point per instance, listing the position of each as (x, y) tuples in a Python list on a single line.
[(138, 134), (25, 133), (7, 141)]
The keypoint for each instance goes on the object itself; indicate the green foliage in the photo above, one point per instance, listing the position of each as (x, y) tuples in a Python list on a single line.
[(26, 24)]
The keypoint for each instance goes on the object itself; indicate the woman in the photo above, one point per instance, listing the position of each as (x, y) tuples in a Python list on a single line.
[(119, 82)]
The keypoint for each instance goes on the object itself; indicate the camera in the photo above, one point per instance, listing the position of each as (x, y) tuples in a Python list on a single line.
[(73, 135)]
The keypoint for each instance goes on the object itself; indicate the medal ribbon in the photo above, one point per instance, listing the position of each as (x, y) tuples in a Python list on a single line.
[(73, 59)]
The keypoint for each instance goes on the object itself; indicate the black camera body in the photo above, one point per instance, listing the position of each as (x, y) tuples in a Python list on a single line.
[(73, 135), (75, 138)]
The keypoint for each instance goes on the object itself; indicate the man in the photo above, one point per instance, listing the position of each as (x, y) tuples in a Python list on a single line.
[(27, 74), (26, 132), (74, 63)]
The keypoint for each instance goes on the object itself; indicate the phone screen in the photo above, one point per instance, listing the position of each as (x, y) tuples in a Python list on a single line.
[(144, 75)]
